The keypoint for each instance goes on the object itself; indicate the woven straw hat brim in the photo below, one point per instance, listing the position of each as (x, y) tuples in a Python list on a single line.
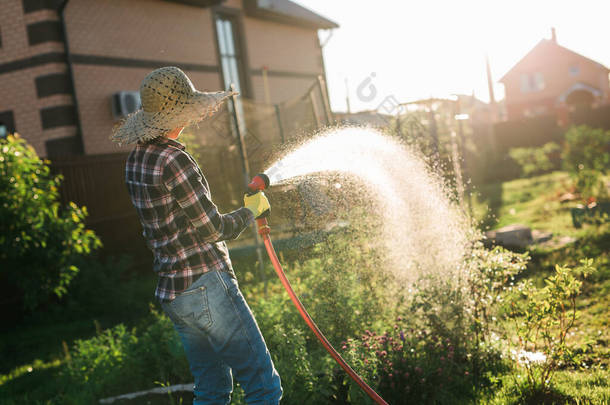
[(143, 125)]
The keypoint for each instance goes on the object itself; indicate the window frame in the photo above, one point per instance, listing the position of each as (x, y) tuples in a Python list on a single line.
[(235, 16)]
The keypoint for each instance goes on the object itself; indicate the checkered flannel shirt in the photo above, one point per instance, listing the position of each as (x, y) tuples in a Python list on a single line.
[(180, 223)]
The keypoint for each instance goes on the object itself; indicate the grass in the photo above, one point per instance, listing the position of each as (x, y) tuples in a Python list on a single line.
[(535, 202)]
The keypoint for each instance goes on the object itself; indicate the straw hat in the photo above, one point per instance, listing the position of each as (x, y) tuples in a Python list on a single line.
[(169, 101)]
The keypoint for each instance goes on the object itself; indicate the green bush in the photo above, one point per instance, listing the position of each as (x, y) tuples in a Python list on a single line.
[(587, 157), (120, 360), (587, 148), (537, 160), (103, 288), (39, 239), (542, 318), (445, 345)]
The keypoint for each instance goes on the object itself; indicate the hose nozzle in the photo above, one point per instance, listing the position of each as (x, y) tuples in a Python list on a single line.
[(258, 183)]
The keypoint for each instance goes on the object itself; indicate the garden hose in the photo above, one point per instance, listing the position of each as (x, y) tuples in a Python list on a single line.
[(259, 183)]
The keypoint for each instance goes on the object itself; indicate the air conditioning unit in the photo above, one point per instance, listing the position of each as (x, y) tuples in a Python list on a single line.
[(124, 103)]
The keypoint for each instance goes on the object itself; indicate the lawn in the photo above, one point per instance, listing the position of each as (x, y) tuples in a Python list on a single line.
[(535, 202)]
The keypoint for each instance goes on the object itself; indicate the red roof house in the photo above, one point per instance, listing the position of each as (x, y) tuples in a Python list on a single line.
[(551, 79)]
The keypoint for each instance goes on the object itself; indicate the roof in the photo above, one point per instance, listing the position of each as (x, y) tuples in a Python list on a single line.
[(547, 43), (286, 12)]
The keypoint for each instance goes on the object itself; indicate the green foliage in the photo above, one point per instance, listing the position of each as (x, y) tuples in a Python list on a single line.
[(587, 157), (542, 319), (537, 160), (587, 148), (117, 286), (39, 240), (120, 360), (442, 347)]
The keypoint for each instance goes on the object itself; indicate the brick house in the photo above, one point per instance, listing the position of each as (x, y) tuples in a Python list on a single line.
[(553, 80), (61, 61)]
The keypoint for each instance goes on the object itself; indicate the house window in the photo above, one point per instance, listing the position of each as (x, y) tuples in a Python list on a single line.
[(538, 81), (525, 83), (231, 58), (532, 82), (7, 123), (574, 70)]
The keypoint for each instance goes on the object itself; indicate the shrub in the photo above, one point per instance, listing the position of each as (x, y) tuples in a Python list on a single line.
[(444, 346), (587, 157), (537, 160), (542, 318), (103, 288), (587, 148), (121, 360), (39, 239)]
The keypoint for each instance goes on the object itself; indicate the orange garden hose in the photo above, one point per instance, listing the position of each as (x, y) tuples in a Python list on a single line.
[(264, 230)]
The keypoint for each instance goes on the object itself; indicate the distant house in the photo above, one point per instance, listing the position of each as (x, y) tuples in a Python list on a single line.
[(69, 69), (551, 79)]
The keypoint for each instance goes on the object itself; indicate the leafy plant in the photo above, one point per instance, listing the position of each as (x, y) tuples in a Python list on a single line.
[(587, 148), (543, 317), (39, 239), (537, 160), (120, 360), (587, 157)]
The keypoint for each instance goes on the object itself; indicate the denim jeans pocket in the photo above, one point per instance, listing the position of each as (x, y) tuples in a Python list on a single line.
[(192, 308)]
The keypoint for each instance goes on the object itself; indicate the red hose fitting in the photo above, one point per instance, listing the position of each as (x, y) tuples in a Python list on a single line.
[(263, 226)]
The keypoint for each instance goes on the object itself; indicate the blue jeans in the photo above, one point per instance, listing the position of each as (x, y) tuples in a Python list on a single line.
[(221, 338)]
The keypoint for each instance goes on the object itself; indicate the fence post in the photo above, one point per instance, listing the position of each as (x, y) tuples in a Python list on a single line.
[(279, 122), (314, 109), (322, 87), (237, 119)]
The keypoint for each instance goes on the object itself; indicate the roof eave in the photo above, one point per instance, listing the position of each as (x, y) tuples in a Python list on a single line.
[(314, 20)]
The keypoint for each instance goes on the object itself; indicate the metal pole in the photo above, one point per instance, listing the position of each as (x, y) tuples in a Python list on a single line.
[(279, 122), (314, 109), (328, 112), (243, 153), (266, 85)]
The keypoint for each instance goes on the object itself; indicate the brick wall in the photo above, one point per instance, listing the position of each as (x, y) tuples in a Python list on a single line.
[(114, 44), (21, 66)]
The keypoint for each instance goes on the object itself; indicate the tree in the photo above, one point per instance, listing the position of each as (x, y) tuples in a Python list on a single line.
[(39, 239)]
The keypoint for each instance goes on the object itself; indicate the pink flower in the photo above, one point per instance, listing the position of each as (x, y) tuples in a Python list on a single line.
[(423, 380), (418, 370), (466, 373), (442, 358), (406, 374)]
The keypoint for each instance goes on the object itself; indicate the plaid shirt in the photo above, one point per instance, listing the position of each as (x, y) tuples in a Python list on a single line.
[(180, 223)]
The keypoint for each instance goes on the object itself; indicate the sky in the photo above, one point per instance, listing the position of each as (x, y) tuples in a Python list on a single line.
[(418, 49)]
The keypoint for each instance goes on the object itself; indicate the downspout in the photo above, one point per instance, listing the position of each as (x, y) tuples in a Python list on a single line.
[(79, 128)]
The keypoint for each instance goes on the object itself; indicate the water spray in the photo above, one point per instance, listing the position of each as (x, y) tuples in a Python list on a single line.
[(259, 183)]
